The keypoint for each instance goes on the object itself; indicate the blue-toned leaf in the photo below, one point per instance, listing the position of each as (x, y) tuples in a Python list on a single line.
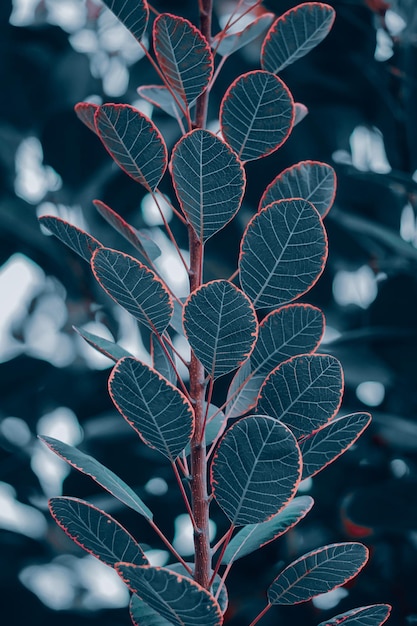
[(310, 180), (283, 253), (160, 96), (221, 326), (135, 287), (318, 572), (142, 614), (256, 115), (295, 33), (243, 392), (133, 141), (110, 349), (373, 615), (301, 112), (132, 15), (104, 477), (227, 45), (96, 531), (78, 240), (156, 410), (255, 470), (327, 444), (85, 112), (209, 181), (304, 393), (160, 360)]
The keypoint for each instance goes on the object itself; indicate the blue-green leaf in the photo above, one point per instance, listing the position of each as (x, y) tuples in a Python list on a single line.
[(228, 44), (373, 615), (85, 112), (160, 96), (161, 363), (110, 349), (78, 240), (133, 16)]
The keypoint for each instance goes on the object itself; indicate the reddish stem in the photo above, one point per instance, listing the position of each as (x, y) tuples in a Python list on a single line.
[(220, 557), (261, 614)]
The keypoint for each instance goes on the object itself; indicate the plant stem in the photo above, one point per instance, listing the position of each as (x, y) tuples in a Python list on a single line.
[(206, 10), (261, 614)]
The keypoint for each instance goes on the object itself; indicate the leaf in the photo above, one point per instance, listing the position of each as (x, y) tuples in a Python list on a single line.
[(243, 391), (373, 615), (96, 531), (110, 349), (78, 240), (160, 361), (221, 326), (256, 114), (135, 287), (304, 393), (295, 33), (254, 536), (225, 46), (173, 596), (133, 141), (161, 97), (255, 470), (85, 112), (142, 614), (209, 181), (99, 473), (156, 410), (301, 112), (318, 572), (184, 56), (283, 253), (133, 16), (310, 180), (326, 445)]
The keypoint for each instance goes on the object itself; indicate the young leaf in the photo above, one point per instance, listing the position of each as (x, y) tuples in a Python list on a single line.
[(373, 615), (85, 112), (221, 326), (243, 392), (161, 97), (318, 572), (78, 240), (104, 477), (301, 112), (133, 141), (256, 114), (135, 287), (184, 56), (304, 392), (175, 597), (156, 410), (326, 445), (278, 261), (160, 361), (134, 17), (255, 536), (209, 181), (231, 43), (310, 180), (96, 531), (110, 349), (295, 33), (255, 470)]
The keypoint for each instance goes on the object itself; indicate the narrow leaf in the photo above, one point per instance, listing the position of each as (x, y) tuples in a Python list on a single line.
[(304, 393), (326, 445), (221, 326), (174, 597), (283, 253), (99, 473), (96, 531), (85, 112), (231, 43), (78, 240), (133, 16), (156, 410), (160, 96), (160, 360), (256, 115), (184, 56), (295, 33), (254, 536), (135, 287), (110, 349), (373, 615), (301, 112), (209, 181), (133, 141), (255, 470), (318, 572), (310, 180)]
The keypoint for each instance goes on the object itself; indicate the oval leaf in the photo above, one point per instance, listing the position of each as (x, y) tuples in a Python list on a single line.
[(255, 470), (104, 477), (142, 614), (255, 536), (134, 17), (373, 615), (78, 240), (85, 112), (304, 393), (135, 287), (160, 96), (318, 572), (209, 181), (156, 410), (283, 253), (133, 141), (227, 45), (310, 180), (184, 56), (221, 326), (256, 115), (295, 33), (96, 531), (243, 392), (110, 349), (326, 445), (174, 597)]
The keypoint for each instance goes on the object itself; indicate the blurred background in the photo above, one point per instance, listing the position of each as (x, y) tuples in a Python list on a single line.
[(360, 86)]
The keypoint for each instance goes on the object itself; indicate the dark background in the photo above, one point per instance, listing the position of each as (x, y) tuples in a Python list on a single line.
[(360, 87)]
